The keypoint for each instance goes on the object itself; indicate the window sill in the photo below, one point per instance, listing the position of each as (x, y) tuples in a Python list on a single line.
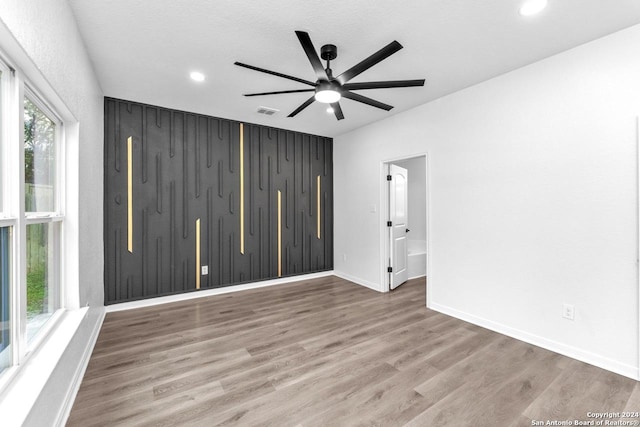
[(24, 383)]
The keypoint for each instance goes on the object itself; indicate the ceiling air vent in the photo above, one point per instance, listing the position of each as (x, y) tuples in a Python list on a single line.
[(266, 110)]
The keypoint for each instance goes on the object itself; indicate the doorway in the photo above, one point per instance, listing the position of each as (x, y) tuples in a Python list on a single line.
[(404, 220)]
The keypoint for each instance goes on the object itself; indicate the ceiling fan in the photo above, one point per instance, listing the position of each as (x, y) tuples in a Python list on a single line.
[(329, 89)]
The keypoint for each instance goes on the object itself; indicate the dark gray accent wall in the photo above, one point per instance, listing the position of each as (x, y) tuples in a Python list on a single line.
[(187, 166)]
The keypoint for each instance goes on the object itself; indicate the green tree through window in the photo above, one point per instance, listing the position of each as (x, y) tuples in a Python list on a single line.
[(39, 173), (39, 158)]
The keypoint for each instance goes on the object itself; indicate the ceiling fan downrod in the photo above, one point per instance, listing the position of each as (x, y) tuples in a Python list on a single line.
[(329, 52)]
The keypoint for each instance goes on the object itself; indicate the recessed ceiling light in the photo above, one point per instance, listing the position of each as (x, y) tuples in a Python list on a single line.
[(196, 76), (330, 110), (531, 7)]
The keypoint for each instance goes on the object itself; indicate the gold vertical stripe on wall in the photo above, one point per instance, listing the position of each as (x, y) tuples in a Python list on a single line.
[(198, 253), (130, 194), (318, 205), (279, 233), (241, 188)]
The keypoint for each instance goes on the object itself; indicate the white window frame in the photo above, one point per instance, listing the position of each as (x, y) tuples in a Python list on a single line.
[(15, 86), (56, 216), (9, 214)]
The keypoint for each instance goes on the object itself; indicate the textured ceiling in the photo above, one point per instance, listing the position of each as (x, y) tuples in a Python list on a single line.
[(143, 50)]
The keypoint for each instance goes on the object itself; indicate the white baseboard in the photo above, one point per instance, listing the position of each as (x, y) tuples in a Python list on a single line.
[(74, 386), (417, 277), (557, 347), (210, 292), (359, 281)]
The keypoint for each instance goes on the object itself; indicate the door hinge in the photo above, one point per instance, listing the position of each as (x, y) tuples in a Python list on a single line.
[(388, 177), (389, 223), (389, 270)]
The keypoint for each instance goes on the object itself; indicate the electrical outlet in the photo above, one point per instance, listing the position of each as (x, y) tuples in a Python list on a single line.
[(205, 270), (568, 311), (344, 257)]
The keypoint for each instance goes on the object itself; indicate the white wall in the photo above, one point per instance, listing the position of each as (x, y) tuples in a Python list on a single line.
[(532, 178), (48, 38)]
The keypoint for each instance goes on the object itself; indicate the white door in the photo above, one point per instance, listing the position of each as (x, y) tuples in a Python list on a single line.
[(398, 195)]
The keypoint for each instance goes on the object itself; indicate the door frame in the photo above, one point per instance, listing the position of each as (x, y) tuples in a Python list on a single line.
[(385, 249)]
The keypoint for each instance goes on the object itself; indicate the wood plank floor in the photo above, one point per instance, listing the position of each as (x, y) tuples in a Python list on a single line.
[(327, 352)]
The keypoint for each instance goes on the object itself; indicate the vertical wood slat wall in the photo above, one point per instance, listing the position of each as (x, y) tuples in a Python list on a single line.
[(187, 167)]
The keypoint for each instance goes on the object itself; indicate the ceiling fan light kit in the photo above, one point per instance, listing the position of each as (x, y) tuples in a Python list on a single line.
[(329, 89), (327, 93)]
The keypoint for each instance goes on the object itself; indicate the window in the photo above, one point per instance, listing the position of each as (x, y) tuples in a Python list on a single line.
[(42, 229), (39, 159), (31, 218), (5, 318), (42, 283), (5, 238)]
